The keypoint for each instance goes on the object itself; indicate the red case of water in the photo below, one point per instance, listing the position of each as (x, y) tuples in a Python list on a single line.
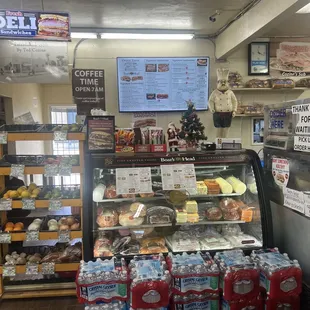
[(290, 302), (275, 284), (256, 302), (195, 304), (235, 280)]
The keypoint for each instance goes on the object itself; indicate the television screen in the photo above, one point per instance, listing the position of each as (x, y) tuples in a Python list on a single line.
[(162, 84)]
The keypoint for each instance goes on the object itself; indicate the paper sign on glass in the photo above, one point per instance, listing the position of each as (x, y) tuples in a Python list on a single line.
[(294, 199), (3, 137), (5, 204), (28, 204), (17, 171), (48, 268), (9, 271)]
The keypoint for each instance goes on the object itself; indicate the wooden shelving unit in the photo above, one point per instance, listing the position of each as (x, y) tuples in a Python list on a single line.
[(45, 290)]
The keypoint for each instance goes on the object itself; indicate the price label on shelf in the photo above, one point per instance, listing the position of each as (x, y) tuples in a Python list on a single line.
[(54, 205), (17, 171), (9, 271), (28, 204), (5, 238), (64, 236), (48, 268), (51, 170), (65, 169), (60, 135), (3, 137), (178, 177), (133, 181), (5, 204), (32, 269), (32, 235)]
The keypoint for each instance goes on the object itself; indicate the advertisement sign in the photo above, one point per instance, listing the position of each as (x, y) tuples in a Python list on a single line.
[(34, 25), (280, 171), (33, 62), (88, 89), (290, 58)]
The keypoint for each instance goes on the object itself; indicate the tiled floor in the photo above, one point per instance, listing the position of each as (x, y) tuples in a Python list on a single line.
[(62, 303)]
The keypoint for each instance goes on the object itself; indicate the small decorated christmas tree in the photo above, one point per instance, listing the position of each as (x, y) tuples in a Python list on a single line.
[(192, 129)]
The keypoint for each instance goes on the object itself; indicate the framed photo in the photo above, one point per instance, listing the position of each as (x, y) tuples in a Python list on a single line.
[(100, 134), (258, 58)]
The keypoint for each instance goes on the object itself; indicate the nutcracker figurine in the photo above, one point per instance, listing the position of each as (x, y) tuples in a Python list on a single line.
[(223, 104), (173, 137)]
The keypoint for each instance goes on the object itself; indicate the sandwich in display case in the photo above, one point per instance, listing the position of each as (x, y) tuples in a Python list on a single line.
[(150, 203)]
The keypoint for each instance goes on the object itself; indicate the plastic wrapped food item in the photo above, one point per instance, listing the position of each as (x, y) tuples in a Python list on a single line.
[(243, 240), (128, 195), (225, 187), (129, 219), (282, 83), (110, 192), (231, 214), (214, 214), (147, 195), (238, 186), (228, 204), (257, 83), (212, 240), (138, 208), (98, 192), (202, 188), (181, 215), (107, 218), (213, 187), (207, 301), (191, 206), (160, 215), (231, 229), (256, 303), (192, 217), (183, 241)]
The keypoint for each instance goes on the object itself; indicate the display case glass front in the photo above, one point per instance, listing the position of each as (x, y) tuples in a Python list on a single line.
[(148, 203)]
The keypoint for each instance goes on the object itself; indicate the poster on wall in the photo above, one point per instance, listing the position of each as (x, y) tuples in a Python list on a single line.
[(17, 24), (290, 58), (88, 89), (162, 84), (280, 171), (33, 62)]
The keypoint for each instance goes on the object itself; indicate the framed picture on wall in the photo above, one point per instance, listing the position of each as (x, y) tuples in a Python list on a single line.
[(258, 58)]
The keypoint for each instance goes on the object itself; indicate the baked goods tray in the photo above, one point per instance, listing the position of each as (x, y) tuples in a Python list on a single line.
[(145, 199)]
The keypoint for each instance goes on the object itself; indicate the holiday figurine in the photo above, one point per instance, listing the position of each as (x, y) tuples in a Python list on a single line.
[(173, 137), (223, 104), (192, 129)]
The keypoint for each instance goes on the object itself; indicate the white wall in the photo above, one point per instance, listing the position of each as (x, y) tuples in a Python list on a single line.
[(102, 54)]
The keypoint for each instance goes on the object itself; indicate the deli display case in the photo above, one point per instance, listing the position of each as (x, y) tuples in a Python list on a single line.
[(150, 203)]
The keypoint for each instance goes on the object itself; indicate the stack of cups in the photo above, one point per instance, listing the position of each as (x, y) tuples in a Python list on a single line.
[(280, 279), (195, 281)]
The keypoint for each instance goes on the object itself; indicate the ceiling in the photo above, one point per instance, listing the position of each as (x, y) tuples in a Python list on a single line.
[(158, 14)]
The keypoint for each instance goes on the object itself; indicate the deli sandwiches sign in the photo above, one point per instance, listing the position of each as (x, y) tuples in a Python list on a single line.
[(34, 25)]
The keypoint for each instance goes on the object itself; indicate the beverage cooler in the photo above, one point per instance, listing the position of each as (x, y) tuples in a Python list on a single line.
[(140, 204), (287, 175)]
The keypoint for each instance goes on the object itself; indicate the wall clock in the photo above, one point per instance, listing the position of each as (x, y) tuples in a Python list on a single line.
[(258, 58)]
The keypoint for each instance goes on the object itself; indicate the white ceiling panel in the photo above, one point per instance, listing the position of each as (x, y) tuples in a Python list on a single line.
[(157, 14)]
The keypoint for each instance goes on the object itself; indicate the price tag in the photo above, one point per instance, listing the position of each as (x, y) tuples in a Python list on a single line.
[(64, 236), (32, 235), (5, 238), (9, 271), (5, 204), (54, 205), (60, 135), (3, 137), (17, 171), (28, 204), (32, 269), (48, 268), (65, 169), (51, 170)]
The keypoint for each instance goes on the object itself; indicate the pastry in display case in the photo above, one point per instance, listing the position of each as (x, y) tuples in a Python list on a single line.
[(159, 203)]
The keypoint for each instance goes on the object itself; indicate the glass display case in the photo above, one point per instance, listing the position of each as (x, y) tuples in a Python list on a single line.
[(155, 203)]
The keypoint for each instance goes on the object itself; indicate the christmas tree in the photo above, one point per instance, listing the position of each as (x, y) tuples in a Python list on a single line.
[(192, 129)]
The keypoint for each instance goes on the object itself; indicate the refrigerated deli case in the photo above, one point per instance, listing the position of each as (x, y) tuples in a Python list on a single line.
[(287, 175), (154, 203)]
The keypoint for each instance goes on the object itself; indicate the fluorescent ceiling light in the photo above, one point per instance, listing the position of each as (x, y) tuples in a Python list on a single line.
[(84, 35), (304, 10), (148, 36)]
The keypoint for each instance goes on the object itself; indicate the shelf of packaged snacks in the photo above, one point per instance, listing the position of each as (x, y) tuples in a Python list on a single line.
[(35, 170), (270, 89), (37, 136), (44, 235), (39, 204), (21, 269), (146, 199), (210, 223)]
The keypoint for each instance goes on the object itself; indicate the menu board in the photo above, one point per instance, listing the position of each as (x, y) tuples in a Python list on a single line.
[(162, 84)]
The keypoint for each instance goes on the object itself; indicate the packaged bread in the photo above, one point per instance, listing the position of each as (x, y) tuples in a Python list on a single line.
[(225, 187), (110, 192), (107, 218), (238, 186), (154, 240), (138, 208), (129, 219), (214, 214), (282, 83), (213, 187), (230, 209), (257, 83)]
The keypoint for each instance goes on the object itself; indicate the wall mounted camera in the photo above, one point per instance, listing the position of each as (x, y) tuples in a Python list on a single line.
[(212, 18)]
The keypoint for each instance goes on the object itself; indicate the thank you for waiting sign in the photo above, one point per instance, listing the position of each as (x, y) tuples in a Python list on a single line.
[(34, 25), (88, 89)]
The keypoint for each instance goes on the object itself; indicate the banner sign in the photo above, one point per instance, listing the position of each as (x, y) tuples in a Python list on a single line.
[(88, 89), (33, 62), (34, 25)]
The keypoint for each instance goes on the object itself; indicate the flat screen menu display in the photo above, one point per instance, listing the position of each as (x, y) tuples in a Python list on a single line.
[(162, 84)]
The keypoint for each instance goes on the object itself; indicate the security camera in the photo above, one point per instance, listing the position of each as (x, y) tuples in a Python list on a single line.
[(212, 18)]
